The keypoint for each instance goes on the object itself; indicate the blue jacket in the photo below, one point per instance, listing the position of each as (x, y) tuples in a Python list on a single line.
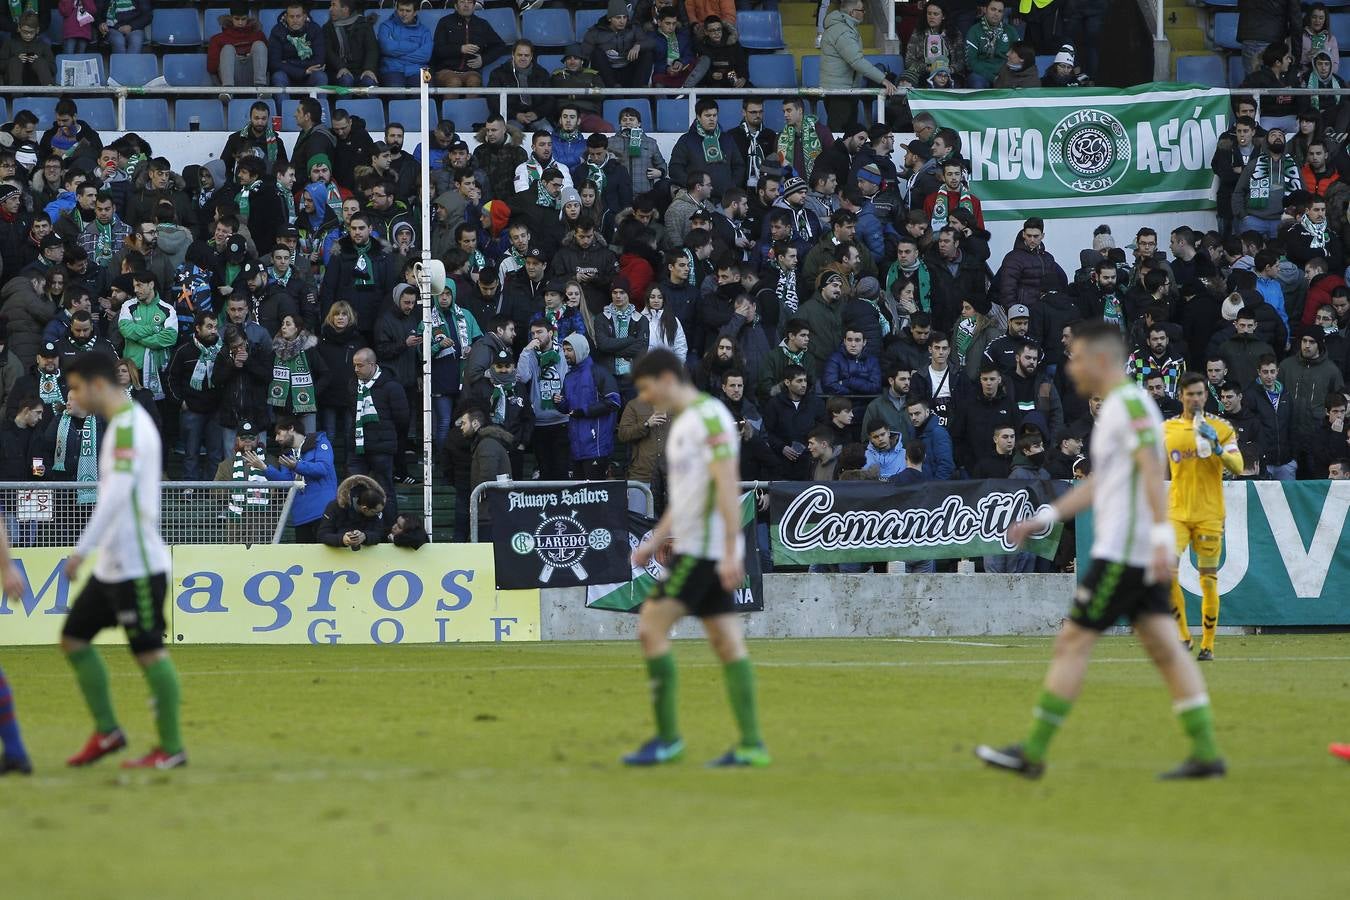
[(64, 203), (283, 55), (592, 392), (404, 49), (938, 463), (846, 376), (1273, 291), (570, 153), (315, 466), (889, 463), (871, 232)]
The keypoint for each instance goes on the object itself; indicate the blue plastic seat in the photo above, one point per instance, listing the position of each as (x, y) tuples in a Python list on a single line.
[(464, 113), (503, 21), (368, 108), (773, 114), (209, 114), (99, 113), (1207, 70), (551, 62), (1237, 70), (211, 22), (408, 113), (1043, 62), (237, 113), (1340, 28), (176, 28), (432, 17), (889, 61), (147, 114), (547, 27), (1229, 4), (811, 70), (672, 115), (585, 18), (42, 107), (494, 66), (102, 72), (609, 110), (186, 70), (133, 69), (268, 19), (1225, 31), (773, 70), (728, 112), (4, 108), (760, 30)]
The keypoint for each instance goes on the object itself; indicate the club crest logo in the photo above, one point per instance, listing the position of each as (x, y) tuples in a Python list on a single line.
[(1089, 151), (561, 542)]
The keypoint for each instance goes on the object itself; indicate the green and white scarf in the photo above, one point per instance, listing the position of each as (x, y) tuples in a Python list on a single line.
[(786, 289), (292, 382), (366, 414), (115, 9), (18, 7), (881, 316), (795, 357), (623, 319), (1317, 234), (712, 144), (965, 336), (86, 467), (942, 207), (543, 198), (596, 176), (304, 50), (205, 366), (245, 198), (919, 272), (809, 137), (634, 142), (103, 243), (239, 498), (269, 137), (500, 394), (549, 382), (49, 388), (1258, 189), (672, 47), (365, 268)]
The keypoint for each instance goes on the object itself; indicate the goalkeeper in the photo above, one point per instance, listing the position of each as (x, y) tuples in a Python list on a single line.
[(1199, 448)]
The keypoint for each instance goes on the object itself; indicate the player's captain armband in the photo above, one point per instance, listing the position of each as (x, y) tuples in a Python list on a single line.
[(1145, 434), (124, 450)]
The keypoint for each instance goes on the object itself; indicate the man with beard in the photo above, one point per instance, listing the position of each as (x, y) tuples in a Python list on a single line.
[(404, 167), (192, 382), (840, 156), (256, 138), (44, 381), (543, 368), (82, 337), (359, 272), (1102, 296)]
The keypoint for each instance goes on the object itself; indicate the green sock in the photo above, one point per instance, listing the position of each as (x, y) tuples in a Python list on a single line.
[(1198, 719), (163, 679), (741, 691), (1049, 715), (661, 671), (92, 676)]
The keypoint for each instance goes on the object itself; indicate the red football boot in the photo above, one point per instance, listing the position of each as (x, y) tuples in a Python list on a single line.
[(99, 746)]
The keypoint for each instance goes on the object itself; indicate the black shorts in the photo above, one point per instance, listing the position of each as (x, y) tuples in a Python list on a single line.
[(1112, 591), (694, 582), (137, 605)]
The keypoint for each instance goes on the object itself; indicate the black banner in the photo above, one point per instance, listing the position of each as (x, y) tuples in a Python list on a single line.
[(561, 537), (868, 521)]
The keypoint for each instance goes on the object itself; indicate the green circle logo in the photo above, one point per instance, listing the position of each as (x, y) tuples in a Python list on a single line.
[(522, 542), (1089, 151)]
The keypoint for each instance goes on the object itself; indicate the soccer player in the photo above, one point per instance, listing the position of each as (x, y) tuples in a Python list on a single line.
[(704, 518), (1199, 448), (128, 583), (13, 756), (1133, 553)]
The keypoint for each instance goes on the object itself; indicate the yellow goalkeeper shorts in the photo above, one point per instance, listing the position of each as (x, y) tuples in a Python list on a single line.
[(1205, 538)]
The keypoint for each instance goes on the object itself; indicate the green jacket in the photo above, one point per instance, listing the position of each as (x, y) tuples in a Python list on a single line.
[(841, 55), (151, 331), (827, 329), (987, 48)]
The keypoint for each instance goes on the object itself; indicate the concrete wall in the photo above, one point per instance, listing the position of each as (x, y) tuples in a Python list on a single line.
[(813, 606)]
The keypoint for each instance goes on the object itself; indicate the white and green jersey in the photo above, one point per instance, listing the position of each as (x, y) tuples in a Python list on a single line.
[(124, 529), (703, 433), (1121, 518)]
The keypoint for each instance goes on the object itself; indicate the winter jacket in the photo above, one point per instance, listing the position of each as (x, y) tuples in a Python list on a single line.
[(536, 77), (927, 47), (841, 54), (1307, 383), (751, 340), (544, 383), (206, 399), (827, 330), (11, 67), (1025, 77), (787, 422), (1025, 275), (972, 424), (687, 156), (570, 258), (851, 376), (498, 162), (243, 389), (293, 52), (649, 156), (392, 331), (341, 515), (28, 313), (404, 49), (1277, 443), (591, 398), (336, 348), (491, 458), (602, 41), (453, 32), (987, 48), (136, 17), (309, 144), (576, 84), (391, 406), (938, 463), (648, 443), (241, 39), (314, 464), (610, 348), (367, 296), (362, 50), (1268, 21), (1227, 157)]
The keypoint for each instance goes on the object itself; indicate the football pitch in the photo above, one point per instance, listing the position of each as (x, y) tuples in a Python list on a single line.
[(492, 771)]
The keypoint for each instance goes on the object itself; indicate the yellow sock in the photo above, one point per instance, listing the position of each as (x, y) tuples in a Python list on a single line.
[(1179, 610), (1209, 610)]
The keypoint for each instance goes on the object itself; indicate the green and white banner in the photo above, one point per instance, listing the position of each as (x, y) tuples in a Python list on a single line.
[(1284, 561), (1060, 152)]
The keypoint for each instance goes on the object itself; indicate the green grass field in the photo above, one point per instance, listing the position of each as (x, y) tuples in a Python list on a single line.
[(491, 771)]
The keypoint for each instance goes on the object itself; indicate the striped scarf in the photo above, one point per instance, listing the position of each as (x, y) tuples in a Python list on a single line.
[(239, 498), (49, 388), (86, 467), (292, 384), (1258, 189), (205, 366), (809, 138), (366, 414)]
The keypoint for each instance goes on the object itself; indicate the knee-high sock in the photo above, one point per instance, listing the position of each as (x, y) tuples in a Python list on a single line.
[(1198, 722), (1209, 609), (740, 677), (163, 679), (1048, 716), (92, 676), (1179, 610), (10, 739), (664, 682)]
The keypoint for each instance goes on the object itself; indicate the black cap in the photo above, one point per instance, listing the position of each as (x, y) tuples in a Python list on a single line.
[(503, 357), (555, 285), (236, 247), (48, 350), (251, 270), (535, 253), (52, 240), (246, 429), (459, 145), (291, 232)]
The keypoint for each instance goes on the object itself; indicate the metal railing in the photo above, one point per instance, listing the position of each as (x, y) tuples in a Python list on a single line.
[(53, 514), (476, 496)]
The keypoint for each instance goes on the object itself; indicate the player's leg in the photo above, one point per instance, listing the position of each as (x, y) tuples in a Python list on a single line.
[(657, 617), (1183, 533), (92, 611), (1190, 701), (727, 638), (1208, 548), (145, 626), (15, 755)]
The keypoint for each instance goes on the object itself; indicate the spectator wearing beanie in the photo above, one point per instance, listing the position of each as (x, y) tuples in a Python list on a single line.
[(574, 75)]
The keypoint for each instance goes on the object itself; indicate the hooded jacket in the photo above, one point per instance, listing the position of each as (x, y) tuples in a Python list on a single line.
[(499, 161), (1306, 384), (841, 54), (241, 39), (28, 314), (367, 297), (590, 398), (314, 463), (609, 347), (341, 515), (391, 341), (491, 458)]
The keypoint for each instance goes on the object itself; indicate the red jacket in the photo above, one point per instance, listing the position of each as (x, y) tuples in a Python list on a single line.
[(1319, 186), (241, 38), (639, 274), (1320, 294)]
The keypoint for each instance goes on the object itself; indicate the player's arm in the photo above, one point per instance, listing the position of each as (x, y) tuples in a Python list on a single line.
[(9, 573), (1161, 534), (114, 499), (726, 473), (647, 549), (1228, 451), (1071, 504)]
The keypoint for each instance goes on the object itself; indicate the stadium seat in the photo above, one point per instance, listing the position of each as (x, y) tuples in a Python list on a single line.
[(287, 110), (773, 70), (773, 114), (268, 18), (409, 114), (369, 109), (887, 61), (760, 30), (432, 17), (318, 15), (102, 72), (237, 113), (176, 28), (98, 112), (811, 70), (464, 113), (728, 112), (671, 115), (186, 70), (503, 21), (1229, 4), (547, 27), (42, 107), (1237, 71), (494, 66), (133, 69), (1225, 31), (1207, 70), (609, 111), (1043, 62), (211, 22), (146, 114), (586, 18), (1340, 28), (4, 109), (209, 114), (551, 62)]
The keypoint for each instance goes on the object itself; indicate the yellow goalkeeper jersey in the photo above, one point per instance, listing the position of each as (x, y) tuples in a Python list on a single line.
[(1197, 484)]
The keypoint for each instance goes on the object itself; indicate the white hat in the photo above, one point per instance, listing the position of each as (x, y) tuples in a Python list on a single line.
[(1065, 55)]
